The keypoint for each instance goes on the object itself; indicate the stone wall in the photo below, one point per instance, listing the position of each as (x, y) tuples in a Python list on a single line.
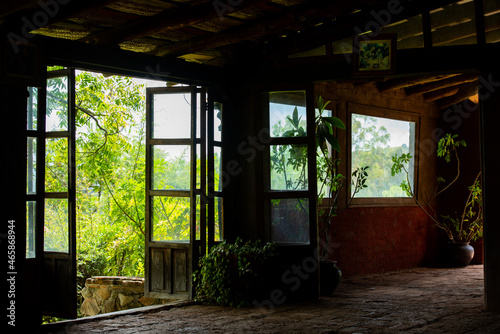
[(104, 294)]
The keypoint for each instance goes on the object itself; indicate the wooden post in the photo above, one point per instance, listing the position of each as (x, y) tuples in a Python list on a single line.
[(490, 164)]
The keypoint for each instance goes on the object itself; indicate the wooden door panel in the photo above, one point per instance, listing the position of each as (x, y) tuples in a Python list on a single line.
[(180, 271), (169, 272), (57, 283)]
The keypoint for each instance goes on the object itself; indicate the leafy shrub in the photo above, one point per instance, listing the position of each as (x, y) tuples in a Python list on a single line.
[(233, 274)]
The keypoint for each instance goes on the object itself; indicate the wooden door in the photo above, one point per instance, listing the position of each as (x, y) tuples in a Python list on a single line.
[(55, 202), (173, 144)]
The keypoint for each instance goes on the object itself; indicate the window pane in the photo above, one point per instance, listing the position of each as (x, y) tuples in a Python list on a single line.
[(287, 114), (171, 167), (323, 163), (198, 167), (217, 121), (219, 225), (31, 170), (57, 104), (32, 108), (30, 229), (170, 218), (288, 167), (56, 235), (290, 220), (172, 116), (454, 24), (198, 217), (374, 141), (492, 20), (56, 165), (217, 168)]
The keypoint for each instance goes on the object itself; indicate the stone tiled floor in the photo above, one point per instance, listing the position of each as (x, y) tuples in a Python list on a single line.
[(419, 300)]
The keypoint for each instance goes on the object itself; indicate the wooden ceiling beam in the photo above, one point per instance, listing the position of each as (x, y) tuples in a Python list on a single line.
[(166, 20), (441, 93), (465, 91), (399, 83), (342, 27), (248, 31), (435, 85)]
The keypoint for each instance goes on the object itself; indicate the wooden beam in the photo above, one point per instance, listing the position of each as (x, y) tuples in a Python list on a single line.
[(114, 60), (441, 93), (267, 25), (342, 27), (451, 81), (166, 20), (465, 91), (399, 83)]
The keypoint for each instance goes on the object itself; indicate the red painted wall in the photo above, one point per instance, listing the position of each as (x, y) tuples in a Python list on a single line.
[(378, 239)]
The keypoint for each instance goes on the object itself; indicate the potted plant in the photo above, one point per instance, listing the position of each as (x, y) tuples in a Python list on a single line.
[(462, 229), (331, 187)]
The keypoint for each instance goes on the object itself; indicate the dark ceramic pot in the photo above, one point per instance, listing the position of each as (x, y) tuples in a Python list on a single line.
[(460, 254), (329, 277)]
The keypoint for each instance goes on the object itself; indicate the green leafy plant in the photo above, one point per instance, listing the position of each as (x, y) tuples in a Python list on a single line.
[(233, 273), (332, 182), (285, 159), (469, 225)]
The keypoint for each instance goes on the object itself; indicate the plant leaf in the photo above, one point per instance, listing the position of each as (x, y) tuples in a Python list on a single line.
[(334, 121)]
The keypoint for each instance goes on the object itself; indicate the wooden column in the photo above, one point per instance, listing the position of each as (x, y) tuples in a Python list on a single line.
[(490, 160)]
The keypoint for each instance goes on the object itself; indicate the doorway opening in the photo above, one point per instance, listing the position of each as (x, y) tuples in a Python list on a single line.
[(109, 115)]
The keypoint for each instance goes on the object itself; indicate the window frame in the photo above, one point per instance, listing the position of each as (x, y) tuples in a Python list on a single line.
[(267, 193), (399, 115)]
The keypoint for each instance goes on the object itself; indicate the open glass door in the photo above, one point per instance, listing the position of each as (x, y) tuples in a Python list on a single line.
[(172, 176), (56, 207)]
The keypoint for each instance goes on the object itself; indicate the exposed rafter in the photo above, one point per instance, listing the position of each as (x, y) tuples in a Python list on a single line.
[(399, 83), (466, 91), (441, 93), (167, 20), (272, 24), (440, 84)]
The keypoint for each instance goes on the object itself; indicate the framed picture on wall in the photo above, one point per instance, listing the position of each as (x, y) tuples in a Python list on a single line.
[(374, 55)]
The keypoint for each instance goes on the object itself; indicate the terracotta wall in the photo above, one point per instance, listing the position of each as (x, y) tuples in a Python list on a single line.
[(378, 239), (373, 239)]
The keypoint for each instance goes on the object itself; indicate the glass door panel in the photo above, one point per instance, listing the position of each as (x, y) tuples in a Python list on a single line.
[(171, 218), (56, 165), (171, 116), (171, 167), (56, 230), (57, 104)]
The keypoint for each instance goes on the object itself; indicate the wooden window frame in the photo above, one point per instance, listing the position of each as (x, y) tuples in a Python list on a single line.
[(360, 109)]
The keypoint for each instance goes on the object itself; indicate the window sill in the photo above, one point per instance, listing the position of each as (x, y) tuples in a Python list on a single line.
[(380, 201)]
